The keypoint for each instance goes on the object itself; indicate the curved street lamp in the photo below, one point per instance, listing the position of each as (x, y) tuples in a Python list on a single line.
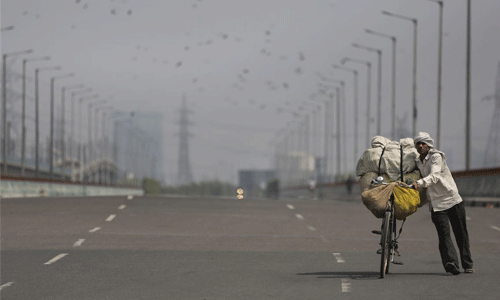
[(4, 101), (37, 110), (51, 147), (23, 125), (368, 93), (393, 39), (379, 88)]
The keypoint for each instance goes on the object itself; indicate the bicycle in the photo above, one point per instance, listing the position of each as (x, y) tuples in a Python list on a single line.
[(389, 240)]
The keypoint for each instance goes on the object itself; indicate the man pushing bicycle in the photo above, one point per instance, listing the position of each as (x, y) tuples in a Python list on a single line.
[(447, 207)]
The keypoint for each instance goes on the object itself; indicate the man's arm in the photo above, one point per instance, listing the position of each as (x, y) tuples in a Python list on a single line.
[(436, 162)]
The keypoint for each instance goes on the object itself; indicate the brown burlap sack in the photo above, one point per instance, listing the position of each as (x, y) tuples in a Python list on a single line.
[(375, 199)]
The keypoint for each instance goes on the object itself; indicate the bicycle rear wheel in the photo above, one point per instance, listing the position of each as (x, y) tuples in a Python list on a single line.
[(385, 243)]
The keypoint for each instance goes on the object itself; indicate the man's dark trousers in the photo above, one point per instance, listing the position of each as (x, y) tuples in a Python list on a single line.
[(442, 219)]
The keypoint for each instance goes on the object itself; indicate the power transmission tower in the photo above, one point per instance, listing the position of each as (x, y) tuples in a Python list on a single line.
[(492, 155), (184, 175)]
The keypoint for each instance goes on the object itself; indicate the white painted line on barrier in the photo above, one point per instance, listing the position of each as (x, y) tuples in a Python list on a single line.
[(290, 206), (78, 243), (130, 197), (110, 218), (339, 258), (95, 229), (299, 216), (496, 228), (346, 286), (311, 228), (122, 206), (6, 285), (56, 258)]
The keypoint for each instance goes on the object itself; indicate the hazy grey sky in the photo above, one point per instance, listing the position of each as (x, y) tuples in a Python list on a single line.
[(237, 62)]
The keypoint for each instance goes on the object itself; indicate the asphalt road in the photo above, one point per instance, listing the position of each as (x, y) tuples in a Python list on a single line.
[(201, 248)]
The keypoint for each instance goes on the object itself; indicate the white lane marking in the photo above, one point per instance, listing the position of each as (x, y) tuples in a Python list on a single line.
[(299, 216), (324, 239), (346, 286), (78, 243), (311, 228), (496, 228), (467, 218), (290, 206), (339, 258), (110, 218), (6, 285), (122, 206), (56, 258), (95, 229), (130, 197)]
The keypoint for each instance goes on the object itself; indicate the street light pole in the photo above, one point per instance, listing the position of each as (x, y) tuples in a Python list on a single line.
[(51, 149), (37, 110), (379, 88), (415, 25), (63, 148), (4, 101), (468, 90), (80, 140), (393, 39), (368, 93), (356, 115), (72, 144), (440, 68), (23, 125)]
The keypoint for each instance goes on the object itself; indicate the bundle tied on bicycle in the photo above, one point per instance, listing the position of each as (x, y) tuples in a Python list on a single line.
[(387, 169)]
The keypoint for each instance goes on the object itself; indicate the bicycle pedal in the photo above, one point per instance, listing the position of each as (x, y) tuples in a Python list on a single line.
[(398, 262), (377, 232)]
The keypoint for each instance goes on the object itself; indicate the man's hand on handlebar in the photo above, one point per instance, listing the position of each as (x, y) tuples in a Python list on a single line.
[(414, 185)]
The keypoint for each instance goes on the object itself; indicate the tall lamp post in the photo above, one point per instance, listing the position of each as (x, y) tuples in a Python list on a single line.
[(379, 83), (393, 39), (368, 93), (355, 72), (63, 111), (37, 111), (4, 101), (90, 133), (80, 140), (415, 26), (51, 149), (23, 142), (72, 130), (440, 68), (98, 108), (468, 90)]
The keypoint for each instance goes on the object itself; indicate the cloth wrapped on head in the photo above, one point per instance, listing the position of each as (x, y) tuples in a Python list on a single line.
[(425, 138)]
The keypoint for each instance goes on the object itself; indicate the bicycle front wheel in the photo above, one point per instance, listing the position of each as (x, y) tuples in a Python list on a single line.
[(385, 243)]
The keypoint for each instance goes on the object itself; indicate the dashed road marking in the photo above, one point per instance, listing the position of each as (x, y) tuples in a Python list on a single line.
[(56, 258), (95, 229), (299, 216), (324, 239), (122, 206), (339, 258), (311, 228), (346, 286), (6, 285), (496, 228), (290, 206), (78, 243), (110, 218), (130, 197), (468, 218)]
